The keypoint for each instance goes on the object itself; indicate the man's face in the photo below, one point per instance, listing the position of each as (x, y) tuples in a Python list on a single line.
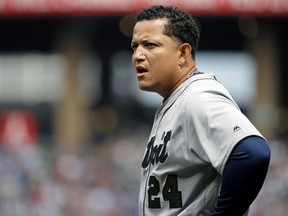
[(155, 57)]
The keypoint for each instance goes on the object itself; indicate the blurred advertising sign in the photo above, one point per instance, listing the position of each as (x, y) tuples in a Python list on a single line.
[(18, 128), (110, 7)]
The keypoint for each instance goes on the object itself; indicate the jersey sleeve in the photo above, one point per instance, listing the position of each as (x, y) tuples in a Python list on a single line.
[(214, 125)]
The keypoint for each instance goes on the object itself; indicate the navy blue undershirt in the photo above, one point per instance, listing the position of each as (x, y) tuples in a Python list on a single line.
[(243, 177)]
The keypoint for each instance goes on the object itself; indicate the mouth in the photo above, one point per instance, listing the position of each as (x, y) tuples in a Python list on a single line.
[(141, 69)]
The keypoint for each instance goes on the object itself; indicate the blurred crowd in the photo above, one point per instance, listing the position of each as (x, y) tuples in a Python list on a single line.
[(100, 180), (103, 179)]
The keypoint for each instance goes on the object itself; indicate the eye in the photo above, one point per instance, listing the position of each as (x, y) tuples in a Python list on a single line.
[(150, 45), (134, 46)]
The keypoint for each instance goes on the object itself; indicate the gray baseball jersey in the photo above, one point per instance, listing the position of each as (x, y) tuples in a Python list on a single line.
[(193, 134)]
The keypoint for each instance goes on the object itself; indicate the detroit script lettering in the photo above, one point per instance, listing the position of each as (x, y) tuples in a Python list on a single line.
[(157, 153)]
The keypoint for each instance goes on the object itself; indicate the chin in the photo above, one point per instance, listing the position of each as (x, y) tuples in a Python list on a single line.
[(145, 88)]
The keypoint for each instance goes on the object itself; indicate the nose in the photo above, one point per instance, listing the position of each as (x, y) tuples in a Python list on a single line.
[(138, 54)]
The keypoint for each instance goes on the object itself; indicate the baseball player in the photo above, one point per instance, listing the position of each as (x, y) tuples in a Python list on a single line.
[(203, 156)]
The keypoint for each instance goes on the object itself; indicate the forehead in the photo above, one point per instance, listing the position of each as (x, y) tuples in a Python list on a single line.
[(148, 28)]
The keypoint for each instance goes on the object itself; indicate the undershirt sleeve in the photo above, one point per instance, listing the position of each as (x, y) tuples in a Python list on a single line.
[(243, 176)]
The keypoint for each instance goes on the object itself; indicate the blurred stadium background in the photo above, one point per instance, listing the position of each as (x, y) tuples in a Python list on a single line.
[(73, 124)]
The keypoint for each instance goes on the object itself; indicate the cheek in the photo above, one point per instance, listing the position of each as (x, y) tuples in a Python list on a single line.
[(167, 64), (164, 73), (163, 63)]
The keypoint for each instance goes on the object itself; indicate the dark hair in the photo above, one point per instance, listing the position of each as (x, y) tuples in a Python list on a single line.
[(180, 24)]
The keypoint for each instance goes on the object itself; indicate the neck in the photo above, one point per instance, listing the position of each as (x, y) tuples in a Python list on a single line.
[(192, 71), (184, 76)]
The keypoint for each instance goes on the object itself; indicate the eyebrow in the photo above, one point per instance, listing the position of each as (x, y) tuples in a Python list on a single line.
[(133, 43), (142, 41)]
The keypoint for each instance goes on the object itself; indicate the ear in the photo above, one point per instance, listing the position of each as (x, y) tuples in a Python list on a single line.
[(184, 53)]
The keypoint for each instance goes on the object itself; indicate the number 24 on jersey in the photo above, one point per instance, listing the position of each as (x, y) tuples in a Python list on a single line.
[(170, 192)]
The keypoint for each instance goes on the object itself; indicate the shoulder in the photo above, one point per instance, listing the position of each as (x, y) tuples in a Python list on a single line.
[(206, 97), (207, 90)]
